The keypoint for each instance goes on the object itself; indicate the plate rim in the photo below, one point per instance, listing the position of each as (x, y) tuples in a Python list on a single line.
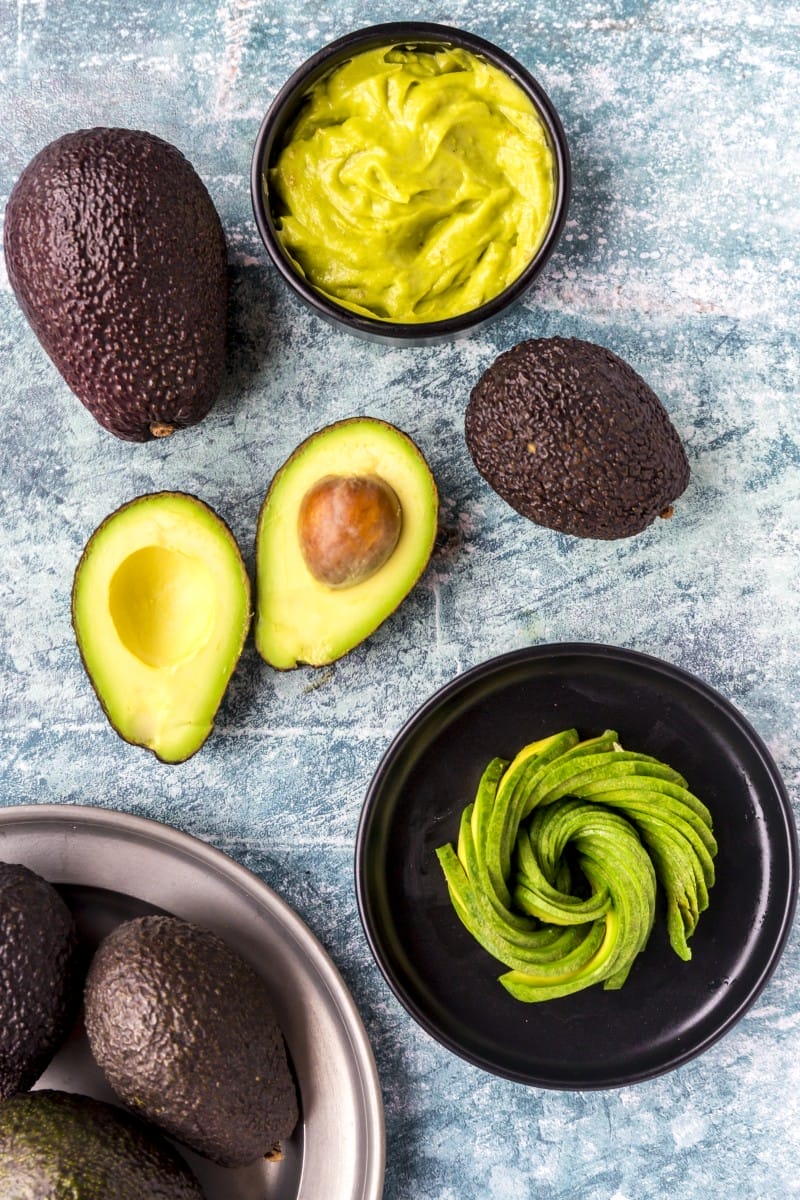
[(536, 654), (314, 961)]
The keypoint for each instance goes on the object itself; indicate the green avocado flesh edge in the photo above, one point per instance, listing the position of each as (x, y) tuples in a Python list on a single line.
[(560, 855), (161, 610), (301, 620)]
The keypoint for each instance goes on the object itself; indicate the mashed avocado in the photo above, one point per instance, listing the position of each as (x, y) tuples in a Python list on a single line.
[(415, 184)]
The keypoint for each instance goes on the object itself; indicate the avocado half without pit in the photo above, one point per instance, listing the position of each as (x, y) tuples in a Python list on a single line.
[(161, 611), (345, 531)]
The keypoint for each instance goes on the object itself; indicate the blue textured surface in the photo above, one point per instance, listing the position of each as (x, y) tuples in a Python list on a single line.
[(681, 255)]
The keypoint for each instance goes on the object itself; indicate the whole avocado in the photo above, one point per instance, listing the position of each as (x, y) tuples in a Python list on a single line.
[(570, 436), (39, 978), (117, 257), (56, 1145), (184, 1030)]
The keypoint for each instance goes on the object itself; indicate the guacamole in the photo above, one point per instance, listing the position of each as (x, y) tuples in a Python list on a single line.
[(416, 183)]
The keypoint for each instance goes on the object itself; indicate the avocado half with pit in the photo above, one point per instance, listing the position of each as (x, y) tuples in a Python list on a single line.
[(346, 530), (161, 610)]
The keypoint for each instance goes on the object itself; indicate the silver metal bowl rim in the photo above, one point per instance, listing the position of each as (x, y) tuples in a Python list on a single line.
[(331, 990)]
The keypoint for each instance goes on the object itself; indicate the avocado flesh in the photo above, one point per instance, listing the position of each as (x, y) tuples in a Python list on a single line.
[(571, 437), (161, 610), (39, 988), (633, 826), (185, 1032), (300, 619), (56, 1145), (117, 257)]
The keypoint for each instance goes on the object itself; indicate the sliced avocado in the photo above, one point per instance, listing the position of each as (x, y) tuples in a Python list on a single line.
[(210, 1065), (570, 436), (161, 610), (117, 257), (39, 976), (64, 1146), (346, 530), (629, 826)]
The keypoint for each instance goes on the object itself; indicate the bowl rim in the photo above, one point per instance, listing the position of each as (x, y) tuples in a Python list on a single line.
[(773, 814), (281, 112)]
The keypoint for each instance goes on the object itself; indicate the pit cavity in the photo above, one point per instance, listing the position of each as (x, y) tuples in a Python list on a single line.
[(162, 603)]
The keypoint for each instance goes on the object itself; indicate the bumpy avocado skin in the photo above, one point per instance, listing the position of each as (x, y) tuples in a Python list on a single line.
[(117, 257), (570, 436), (64, 1146), (184, 1031), (39, 976)]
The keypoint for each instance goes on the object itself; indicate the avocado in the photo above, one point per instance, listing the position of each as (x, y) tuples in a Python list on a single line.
[(563, 920), (56, 1145), (117, 257), (574, 439), (161, 610), (185, 1032), (345, 531), (39, 975)]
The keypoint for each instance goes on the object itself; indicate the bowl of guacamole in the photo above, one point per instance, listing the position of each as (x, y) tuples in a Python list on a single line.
[(410, 181)]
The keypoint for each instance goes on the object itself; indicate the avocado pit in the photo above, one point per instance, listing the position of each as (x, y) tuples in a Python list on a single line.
[(348, 527)]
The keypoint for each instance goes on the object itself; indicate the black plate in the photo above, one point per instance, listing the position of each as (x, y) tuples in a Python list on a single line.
[(668, 1011)]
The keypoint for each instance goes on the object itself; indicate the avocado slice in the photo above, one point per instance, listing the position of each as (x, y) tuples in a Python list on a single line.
[(570, 436), (345, 531), (564, 922), (117, 257), (61, 1144), (39, 975), (185, 1032), (161, 610)]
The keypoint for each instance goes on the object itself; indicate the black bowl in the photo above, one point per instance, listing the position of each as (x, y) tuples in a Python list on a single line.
[(668, 1011), (284, 110)]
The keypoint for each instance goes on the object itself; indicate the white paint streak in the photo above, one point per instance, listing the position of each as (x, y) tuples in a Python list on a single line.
[(361, 732), (237, 18), (23, 34), (345, 841), (433, 587), (688, 1129)]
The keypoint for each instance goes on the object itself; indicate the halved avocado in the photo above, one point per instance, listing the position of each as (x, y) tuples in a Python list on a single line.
[(161, 610), (358, 493)]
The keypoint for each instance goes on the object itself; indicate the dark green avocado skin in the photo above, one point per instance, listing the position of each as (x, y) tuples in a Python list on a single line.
[(39, 976), (185, 1033), (570, 436), (117, 257), (62, 1146)]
